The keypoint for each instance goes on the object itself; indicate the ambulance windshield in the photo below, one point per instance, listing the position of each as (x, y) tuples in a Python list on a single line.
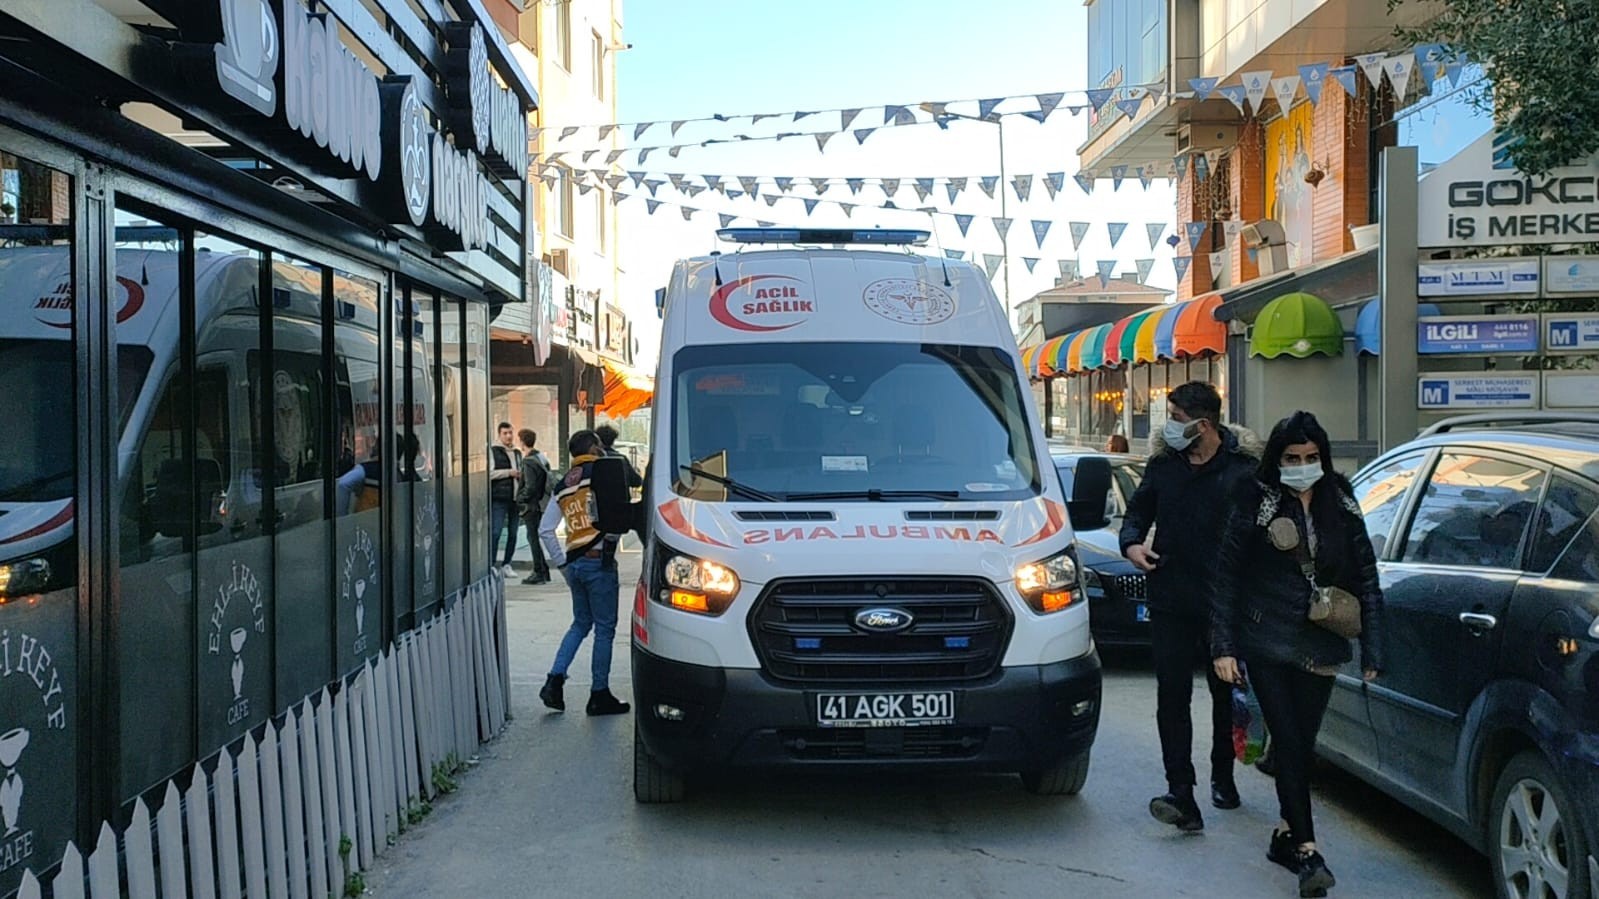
[(851, 421)]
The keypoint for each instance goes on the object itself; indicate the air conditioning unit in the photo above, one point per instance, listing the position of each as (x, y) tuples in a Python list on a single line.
[(561, 261), (1270, 243), (1203, 136)]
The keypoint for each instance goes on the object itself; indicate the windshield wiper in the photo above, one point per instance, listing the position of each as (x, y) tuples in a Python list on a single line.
[(731, 484), (877, 496)]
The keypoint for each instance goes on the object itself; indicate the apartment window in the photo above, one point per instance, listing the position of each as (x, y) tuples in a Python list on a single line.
[(599, 66), (563, 34), (561, 196), (600, 222)]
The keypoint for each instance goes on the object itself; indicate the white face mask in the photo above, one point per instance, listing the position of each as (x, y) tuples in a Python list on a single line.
[(1176, 435), (1301, 477)]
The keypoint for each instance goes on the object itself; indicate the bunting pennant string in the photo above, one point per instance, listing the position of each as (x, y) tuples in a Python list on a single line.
[(890, 186), (1236, 95), (820, 184), (1048, 102), (1371, 64), (1203, 87), (991, 263), (1002, 225), (1023, 185), (1084, 182), (964, 222), (1255, 86), (1118, 174), (1201, 168), (725, 219), (1053, 183), (1068, 270), (1130, 106), (1106, 269), (1079, 231), (1196, 233), (1031, 262), (1345, 78), (1430, 60), (988, 183), (1040, 229), (1179, 165), (955, 254), (924, 189), (1218, 261), (846, 118), (1180, 266), (1145, 266), (1314, 77), (1154, 230), (1098, 97), (1398, 69), (1146, 177), (1115, 230), (1284, 89), (784, 184)]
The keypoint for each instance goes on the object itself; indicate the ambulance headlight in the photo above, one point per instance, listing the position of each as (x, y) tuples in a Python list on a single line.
[(697, 585), (1050, 585)]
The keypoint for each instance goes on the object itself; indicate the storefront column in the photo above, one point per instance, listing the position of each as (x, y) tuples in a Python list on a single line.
[(1049, 408), (1397, 260)]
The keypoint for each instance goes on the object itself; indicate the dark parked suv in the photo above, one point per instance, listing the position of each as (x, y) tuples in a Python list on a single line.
[(1118, 607), (1487, 718)]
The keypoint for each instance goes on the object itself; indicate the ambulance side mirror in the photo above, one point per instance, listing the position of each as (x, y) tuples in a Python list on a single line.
[(615, 511), (1091, 481)]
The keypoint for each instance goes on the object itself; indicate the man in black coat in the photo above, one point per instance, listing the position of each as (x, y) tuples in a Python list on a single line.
[(532, 495), (1187, 489)]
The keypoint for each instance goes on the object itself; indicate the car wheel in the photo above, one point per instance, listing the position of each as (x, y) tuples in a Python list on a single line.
[(652, 782), (1535, 844), (1064, 778)]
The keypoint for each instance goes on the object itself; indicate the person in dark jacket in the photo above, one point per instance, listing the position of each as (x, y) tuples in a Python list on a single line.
[(1184, 496), (1298, 517), (608, 435), (532, 494)]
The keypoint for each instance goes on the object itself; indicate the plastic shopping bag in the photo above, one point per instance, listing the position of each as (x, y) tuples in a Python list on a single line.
[(1249, 726)]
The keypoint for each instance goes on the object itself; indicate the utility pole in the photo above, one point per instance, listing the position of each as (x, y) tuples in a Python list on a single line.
[(1004, 239)]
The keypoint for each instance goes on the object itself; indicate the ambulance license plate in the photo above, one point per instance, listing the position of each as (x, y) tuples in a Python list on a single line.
[(885, 709)]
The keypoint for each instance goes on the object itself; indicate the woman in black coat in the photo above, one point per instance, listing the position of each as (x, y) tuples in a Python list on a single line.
[(1296, 515)]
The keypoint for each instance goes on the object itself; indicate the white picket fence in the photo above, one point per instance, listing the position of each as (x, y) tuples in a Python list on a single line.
[(303, 810)]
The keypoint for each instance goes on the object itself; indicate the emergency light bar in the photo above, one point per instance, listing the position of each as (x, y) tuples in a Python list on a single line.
[(824, 236)]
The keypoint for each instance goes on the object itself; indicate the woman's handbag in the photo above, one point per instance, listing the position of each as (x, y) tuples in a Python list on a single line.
[(1333, 608)]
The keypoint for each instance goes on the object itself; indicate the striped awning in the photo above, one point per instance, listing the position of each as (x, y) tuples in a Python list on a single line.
[(1047, 354), (1144, 335), (1197, 332), (1113, 342), (1094, 347)]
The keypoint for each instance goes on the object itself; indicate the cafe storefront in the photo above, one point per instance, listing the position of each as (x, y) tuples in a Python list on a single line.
[(249, 253)]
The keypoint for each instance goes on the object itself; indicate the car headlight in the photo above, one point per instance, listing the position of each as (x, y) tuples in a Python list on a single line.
[(23, 578), (697, 585), (1091, 579), (1593, 629), (1050, 585)]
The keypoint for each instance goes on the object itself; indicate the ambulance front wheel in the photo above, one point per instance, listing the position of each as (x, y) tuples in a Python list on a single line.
[(652, 782), (1064, 778)]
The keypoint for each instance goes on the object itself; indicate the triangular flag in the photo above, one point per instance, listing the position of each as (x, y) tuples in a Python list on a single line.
[(1234, 94), (654, 185), (1345, 76), (1048, 102), (638, 178), (1196, 233), (1314, 77), (1068, 269), (761, 224), (847, 208), (1115, 230), (677, 125), (1023, 185), (733, 194), (652, 205), (615, 181), (1146, 176), (955, 254), (1430, 59), (756, 119), (673, 151), (617, 197), (1371, 64), (1106, 269), (639, 129), (714, 182), (1254, 255), (820, 185), (1203, 87), (1154, 230), (901, 115), (953, 189), (964, 222), (1179, 165), (810, 206), (890, 186), (1218, 261), (1079, 231), (548, 179), (1284, 89), (1453, 70), (1399, 69), (1130, 106), (1118, 174), (1040, 229), (822, 137), (1201, 168), (693, 190), (1232, 228), (605, 131), (1098, 97), (1077, 108), (1084, 181), (613, 156), (987, 183), (1031, 262), (677, 181), (1255, 86), (1053, 182), (688, 213), (855, 184), (991, 263), (1038, 117), (936, 108), (924, 188), (1180, 264), (845, 117), (555, 156), (1155, 91), (1145, 266), (750, 183), (984, 107), (801, 115), (1002, 225), (784, 184), (589, 154), (566, 133), (861, 134), (725, 219), (771, 199)]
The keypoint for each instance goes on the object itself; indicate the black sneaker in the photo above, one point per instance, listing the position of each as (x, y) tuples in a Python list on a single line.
[(552, 695), (1179, 810), (1314, 878), (1281, 850), (601, 702), (1224, 795)]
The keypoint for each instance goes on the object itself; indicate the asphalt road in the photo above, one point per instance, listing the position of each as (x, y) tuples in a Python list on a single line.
[(548, 810)]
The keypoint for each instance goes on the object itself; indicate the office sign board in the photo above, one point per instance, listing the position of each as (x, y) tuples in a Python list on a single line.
[(1571, 332), (1479, 277), (1477, 198), (1477, 335), (1511, 390), (1571, 389), (1571, 275)]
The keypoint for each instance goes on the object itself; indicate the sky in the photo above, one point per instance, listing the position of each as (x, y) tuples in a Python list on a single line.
[(693, 58)]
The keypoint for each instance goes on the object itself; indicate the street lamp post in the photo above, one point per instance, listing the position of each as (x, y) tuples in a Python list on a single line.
[(942, 119)]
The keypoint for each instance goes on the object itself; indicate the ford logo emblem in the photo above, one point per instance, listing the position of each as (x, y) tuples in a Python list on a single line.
[(883, 620)]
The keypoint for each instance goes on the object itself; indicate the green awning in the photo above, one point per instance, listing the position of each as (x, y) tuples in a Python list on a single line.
[(1299, 325)]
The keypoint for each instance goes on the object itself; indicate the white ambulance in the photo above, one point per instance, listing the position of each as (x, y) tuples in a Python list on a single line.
[(857, 550)]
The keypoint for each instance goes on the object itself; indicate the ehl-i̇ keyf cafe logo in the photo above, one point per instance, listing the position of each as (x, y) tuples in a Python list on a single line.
[(238, 602), (358, 579), (427, 529), (38, 718)]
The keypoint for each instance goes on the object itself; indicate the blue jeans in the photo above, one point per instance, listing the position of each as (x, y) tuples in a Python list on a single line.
[(595, 595), (502, 515)]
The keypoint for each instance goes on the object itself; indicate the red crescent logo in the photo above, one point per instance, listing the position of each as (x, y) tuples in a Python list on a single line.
[(721, 313), (129, 309)]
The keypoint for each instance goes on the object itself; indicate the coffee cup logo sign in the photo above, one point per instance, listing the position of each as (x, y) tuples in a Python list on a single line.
[(33, 713), (416, 168), (328, 94), (357, 581), (247, 58), (239, 600)]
